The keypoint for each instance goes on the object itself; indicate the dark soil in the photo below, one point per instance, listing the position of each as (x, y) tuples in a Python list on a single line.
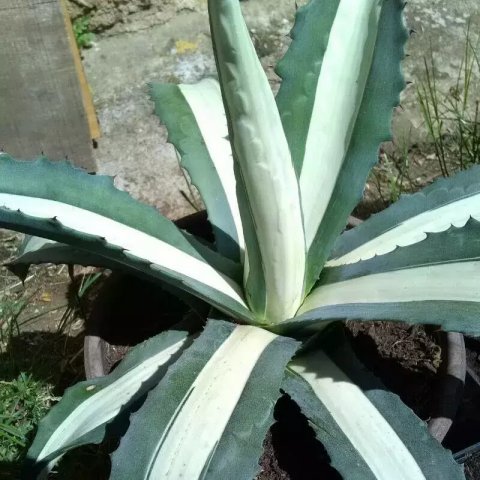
[(291, 450), (405, 358), (472, 467), (114, 354), (130, 311)]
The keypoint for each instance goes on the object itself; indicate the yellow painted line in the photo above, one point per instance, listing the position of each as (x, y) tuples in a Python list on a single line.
[(87, 100)]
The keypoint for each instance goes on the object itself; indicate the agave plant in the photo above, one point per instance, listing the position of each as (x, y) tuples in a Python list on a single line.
[(279, 177)]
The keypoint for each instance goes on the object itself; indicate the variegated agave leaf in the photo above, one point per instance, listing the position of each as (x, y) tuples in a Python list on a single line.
[(90, 408), (341, 79), (267, 188), (418, 261), (88, 213), (209, 415), (368, 432)]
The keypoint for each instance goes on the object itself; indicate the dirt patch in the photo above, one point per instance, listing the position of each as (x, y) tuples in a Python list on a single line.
[(44, 296), (398, 173), (291, 450), (43, 318), (405, 357)]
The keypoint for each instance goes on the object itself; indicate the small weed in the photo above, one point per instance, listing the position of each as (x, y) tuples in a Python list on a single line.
[(23, 402), (392, 175), (452, 118), (10, 310), (81, 30), (36, 366)]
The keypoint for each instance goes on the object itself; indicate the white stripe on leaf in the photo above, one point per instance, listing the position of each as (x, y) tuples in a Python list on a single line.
[(197, 426), (406, 285), (340, 88), (205, 101), (261, 150), (104, 405), (414, 230), (364, 426), (134, 241)]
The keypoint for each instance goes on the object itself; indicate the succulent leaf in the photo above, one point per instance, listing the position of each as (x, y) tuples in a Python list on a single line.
[(268, 189), (87, 212), (348, 109), (447, 202), (86, 409), (197, 127), (412, 284), (340, 89), (299, 70), (367, 431), (209, 415)]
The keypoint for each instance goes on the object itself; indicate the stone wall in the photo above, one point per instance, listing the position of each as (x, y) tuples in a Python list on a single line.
[(117, 16)]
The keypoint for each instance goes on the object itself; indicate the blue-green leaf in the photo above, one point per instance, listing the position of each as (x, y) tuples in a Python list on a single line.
[(449, 201), (83, 414), (67, 205), (197, 127), (299, 70), (209, 415), (355, 60), (434, 281), (367, 431), (267, 185)]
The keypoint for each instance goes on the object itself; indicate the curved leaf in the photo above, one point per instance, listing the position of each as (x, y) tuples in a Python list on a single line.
[(455, 245), (339, 92), (197, 127), (209, 415), (37, 250), (67, 205), (367, 431), (88, 409), (346, 172), (434, 281), (299, 70), (447, 202)]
